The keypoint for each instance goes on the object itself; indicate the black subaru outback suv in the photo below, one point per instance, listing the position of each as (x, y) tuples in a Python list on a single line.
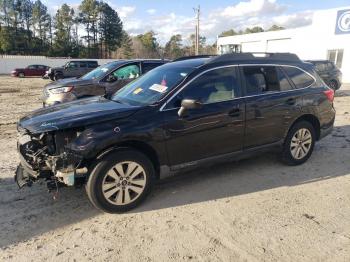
[(180, 115)]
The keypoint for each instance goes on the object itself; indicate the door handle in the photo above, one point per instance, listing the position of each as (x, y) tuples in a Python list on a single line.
[(291, 101)]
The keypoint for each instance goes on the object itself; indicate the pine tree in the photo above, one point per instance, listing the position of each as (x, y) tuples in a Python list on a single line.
[(111, 29), (64, 21), (173, 48), (127, 47)]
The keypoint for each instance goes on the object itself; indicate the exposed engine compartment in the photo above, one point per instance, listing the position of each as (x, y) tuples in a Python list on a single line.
[(36, 150), (47, 156)]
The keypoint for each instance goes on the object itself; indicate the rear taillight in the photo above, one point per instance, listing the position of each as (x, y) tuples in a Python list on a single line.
[(329, 94)]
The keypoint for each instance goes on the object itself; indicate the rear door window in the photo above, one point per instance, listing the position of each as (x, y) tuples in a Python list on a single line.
[(285, 85), (262, 79), (298, 77)]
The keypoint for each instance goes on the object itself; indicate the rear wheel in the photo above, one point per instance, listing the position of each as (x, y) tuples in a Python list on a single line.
[(333, 84), (299, 143), (120, 181)]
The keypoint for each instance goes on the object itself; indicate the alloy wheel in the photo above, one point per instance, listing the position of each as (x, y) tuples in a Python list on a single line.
[(124, 183), (301, 143)]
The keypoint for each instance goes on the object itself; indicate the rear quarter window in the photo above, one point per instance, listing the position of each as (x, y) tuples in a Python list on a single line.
[(300, 78)]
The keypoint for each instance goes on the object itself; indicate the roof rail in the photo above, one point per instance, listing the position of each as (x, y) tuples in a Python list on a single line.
[(287, 57), (193, 57)]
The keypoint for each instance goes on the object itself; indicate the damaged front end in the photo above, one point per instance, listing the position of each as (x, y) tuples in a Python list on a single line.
[(46, 156)]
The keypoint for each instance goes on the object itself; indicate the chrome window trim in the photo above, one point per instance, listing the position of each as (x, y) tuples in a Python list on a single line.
[(304, 72), (235, 98)]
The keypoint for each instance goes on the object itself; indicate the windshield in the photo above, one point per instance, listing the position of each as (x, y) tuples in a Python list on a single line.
[(99, 71), (149, 88)]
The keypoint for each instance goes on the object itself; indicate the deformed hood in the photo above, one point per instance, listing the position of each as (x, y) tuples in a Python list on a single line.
[(75, 114)]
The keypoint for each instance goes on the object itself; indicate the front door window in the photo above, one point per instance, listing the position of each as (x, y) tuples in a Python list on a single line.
[(214, 86)]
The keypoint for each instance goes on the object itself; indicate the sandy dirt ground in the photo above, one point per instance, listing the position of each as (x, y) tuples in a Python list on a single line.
[(254, 210)]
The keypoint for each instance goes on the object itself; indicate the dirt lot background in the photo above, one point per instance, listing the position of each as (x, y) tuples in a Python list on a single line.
[(254, 210)]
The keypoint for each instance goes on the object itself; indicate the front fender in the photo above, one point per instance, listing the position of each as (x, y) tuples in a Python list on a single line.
[(97, 138)]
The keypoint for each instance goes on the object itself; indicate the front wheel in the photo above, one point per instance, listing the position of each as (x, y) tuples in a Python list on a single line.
[(299, 144), (120, 181), (21, 75)]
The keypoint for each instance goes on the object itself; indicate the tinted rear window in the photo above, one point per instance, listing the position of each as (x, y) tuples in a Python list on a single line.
[(298, 77)]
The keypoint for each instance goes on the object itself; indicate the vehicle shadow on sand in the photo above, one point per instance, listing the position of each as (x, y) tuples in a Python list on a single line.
[(31, 212), (247, 176)]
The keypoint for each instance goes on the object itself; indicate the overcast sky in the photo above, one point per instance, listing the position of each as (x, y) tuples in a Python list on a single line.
[(167, 18)]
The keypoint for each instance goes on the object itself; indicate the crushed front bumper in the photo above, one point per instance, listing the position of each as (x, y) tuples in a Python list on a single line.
[(22, 177)]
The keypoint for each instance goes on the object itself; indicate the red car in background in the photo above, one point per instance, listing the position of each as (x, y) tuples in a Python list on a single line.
[(31, 70)]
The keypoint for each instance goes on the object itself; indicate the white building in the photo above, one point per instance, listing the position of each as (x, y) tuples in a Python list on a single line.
[(328, 37)]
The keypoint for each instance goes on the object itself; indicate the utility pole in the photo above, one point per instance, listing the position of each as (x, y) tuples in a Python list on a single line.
[(198, 12)]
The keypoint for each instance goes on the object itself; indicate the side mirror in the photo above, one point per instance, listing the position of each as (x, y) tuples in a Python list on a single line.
[(188, 104)]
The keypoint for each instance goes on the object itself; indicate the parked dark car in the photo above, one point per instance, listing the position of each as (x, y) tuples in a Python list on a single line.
[(328, 71), (72, 69), (31, 70), (104, 80), (180, 115)]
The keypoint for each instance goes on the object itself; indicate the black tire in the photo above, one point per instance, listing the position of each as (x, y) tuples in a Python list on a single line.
[(58, 76), (287, 152), (21, 75), (98, 176), (333, 84)]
